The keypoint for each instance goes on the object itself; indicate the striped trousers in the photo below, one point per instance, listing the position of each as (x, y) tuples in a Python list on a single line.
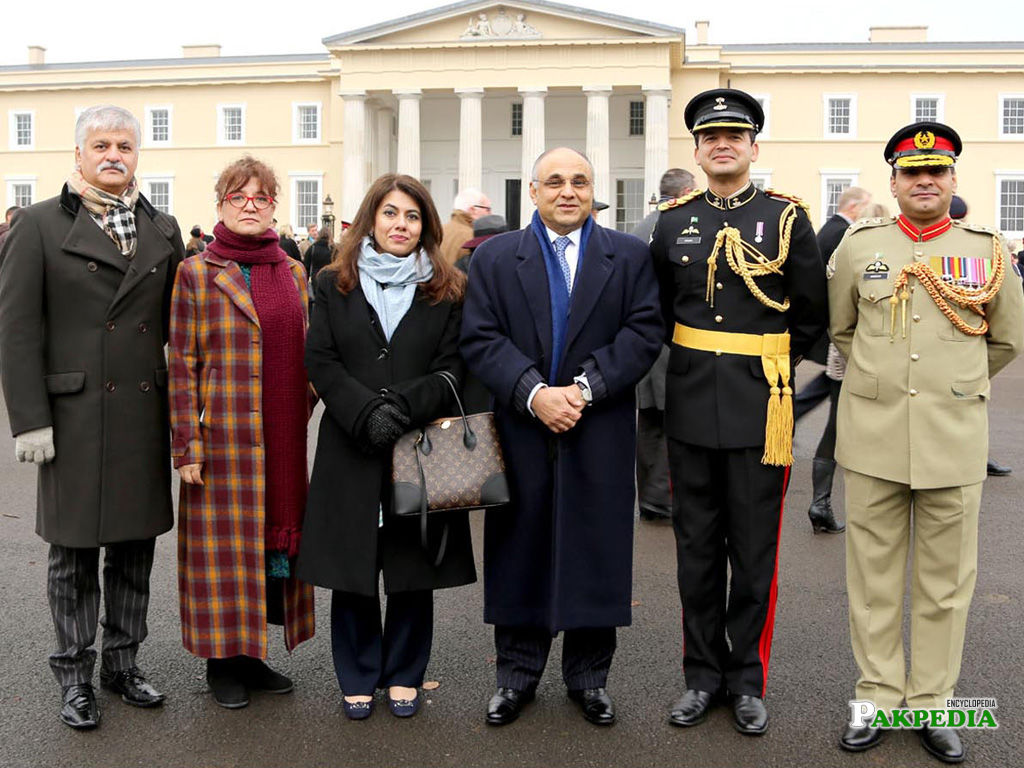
[(73, 590), (522, 654)]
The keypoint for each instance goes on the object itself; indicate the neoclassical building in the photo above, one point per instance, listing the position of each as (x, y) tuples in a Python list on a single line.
[(470, 93)]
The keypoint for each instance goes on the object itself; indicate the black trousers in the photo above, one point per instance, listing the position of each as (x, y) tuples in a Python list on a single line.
[(367, 657), (727, 511), (652, 484), (73, 590), (523, 653), (811, 395)]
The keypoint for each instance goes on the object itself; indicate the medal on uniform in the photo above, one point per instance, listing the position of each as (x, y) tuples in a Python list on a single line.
[(963, 271), (759, 232)]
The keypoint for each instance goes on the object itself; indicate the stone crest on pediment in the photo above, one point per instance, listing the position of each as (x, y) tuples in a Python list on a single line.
[(500, 26)]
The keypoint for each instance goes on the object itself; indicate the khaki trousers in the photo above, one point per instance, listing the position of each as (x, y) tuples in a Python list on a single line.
[(879, 518)]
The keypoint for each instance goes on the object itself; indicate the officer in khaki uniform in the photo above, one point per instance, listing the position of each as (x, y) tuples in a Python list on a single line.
[(925, 310)]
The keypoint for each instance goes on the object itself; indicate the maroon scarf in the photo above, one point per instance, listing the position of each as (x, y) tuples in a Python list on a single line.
[(282, 318)]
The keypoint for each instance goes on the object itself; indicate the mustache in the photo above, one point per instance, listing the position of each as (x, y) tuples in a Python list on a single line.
[(117, 166)]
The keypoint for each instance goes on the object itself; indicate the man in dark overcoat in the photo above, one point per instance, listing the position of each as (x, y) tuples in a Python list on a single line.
[(85, 289), (561, 320)]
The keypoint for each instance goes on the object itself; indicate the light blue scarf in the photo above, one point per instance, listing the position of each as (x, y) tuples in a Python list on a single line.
[(389, 282)]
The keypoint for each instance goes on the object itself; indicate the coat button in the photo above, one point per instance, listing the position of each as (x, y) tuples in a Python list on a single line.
[(382, 392), (917, 318), (719, 286), (913, 393), (685, 259), (110, 386), (915, 357), (871, 296), (91, 266), (143, 327), (111, 325), (144, 386), (719, 318)]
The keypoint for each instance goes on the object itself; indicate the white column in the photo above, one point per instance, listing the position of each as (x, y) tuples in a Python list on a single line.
[(408, 160), (382, 134), (354, 152), (597, 147), (369, 123), (655, 137), (533, 144), (471, 138)]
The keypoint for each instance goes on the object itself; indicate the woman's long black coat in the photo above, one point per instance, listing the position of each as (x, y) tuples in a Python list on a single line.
[(350, 363)]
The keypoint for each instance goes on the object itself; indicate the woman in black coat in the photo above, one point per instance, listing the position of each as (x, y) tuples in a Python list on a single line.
[(387, 319)]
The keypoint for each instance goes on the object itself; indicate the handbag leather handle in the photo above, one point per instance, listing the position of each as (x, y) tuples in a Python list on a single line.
[(468, 435)]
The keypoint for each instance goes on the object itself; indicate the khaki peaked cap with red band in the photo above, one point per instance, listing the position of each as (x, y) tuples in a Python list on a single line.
[(723, 108), (924, 144)]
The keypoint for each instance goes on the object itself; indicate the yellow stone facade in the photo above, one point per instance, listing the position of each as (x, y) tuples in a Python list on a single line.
[(461, 101)]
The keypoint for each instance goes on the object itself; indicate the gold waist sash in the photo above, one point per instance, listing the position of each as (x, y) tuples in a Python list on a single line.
[(773, 349)]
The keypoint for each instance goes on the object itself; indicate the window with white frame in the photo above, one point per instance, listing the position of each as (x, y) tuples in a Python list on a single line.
[(306, 123), (629, 204), (517, 118), (231, 124), (21, 191), (22, 132), (306, 199), (761, 179), (158, 126), (636, 118), (1011, 116), (1010, 204), (765, 101), (159, 190), (927, 106), (833, 184), (840, 116)]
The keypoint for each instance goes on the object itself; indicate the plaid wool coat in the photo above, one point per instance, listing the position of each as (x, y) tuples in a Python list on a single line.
[(215, 364)]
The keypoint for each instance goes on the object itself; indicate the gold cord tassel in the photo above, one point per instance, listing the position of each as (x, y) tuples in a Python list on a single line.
[(904, 297), (778, 431), (893, 301)]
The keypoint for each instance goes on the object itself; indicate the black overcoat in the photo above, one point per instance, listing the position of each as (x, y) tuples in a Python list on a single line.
[(350, 364), (561, 556), (828, 238), (82, 334)]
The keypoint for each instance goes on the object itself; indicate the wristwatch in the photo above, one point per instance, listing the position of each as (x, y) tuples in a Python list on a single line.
[(583, 383)]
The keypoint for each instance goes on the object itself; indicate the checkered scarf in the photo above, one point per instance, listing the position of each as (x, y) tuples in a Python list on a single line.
[(115, 214)]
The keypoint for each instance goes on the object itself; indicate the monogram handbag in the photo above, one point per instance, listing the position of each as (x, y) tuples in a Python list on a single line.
[(449, 465)]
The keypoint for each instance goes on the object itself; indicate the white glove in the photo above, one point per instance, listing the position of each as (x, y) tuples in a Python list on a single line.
[(35, 446)]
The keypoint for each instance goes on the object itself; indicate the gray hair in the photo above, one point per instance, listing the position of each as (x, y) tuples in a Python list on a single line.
[(540, 159), (675, 182), (467, 198), (106, 117)]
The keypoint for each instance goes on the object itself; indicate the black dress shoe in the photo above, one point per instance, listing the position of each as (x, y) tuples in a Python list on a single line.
[(749, 715), (652, 514), (691, 709), (995, 469), (505, 705), (79, 708), (257, 676), (133, 687), (228, 689), (860, 739), (596, 704), (943, 743)]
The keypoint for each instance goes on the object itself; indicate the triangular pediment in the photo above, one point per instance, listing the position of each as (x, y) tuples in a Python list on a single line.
[(483, 22)]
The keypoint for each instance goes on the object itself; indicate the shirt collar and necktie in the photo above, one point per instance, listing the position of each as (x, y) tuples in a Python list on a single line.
[(567, 252)]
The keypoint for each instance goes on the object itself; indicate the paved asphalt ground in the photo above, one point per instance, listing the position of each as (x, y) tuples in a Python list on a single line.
[(811, 677)]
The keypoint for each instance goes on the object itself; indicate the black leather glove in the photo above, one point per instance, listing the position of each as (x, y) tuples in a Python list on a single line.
[(384, 425)]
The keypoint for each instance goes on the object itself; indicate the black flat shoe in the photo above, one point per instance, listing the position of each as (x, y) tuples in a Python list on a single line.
[(506, 704), (133, 687), (596, 704), (942, 743), (995, 469), (860, 739), (228, 690), (691, 709), (78, 707), (357, 710), (404, 707), (749, 715), (257, 676)]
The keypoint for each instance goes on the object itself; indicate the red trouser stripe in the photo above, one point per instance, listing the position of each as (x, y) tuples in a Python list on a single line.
[(764, 648)]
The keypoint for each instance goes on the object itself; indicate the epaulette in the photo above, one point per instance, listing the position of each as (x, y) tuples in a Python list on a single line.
[(786, 196), (877, 221), (975, 227), (677, 201)]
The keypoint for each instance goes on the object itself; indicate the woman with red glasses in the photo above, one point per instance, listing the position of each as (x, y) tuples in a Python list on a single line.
[(239, 407)]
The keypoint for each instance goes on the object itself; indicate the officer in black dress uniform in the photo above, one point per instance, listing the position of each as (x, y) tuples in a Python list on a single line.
[(744, 297)]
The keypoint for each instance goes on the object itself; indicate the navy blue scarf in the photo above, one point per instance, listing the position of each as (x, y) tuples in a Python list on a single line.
[(557, 288)]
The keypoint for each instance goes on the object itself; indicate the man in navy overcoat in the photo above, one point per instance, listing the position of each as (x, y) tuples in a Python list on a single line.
[(561, 320)]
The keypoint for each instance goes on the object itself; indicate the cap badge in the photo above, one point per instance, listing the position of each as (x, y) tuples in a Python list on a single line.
[(924, 140), (719, 104)]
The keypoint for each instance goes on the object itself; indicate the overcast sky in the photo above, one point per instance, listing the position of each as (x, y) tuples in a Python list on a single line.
[(77, 31)]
